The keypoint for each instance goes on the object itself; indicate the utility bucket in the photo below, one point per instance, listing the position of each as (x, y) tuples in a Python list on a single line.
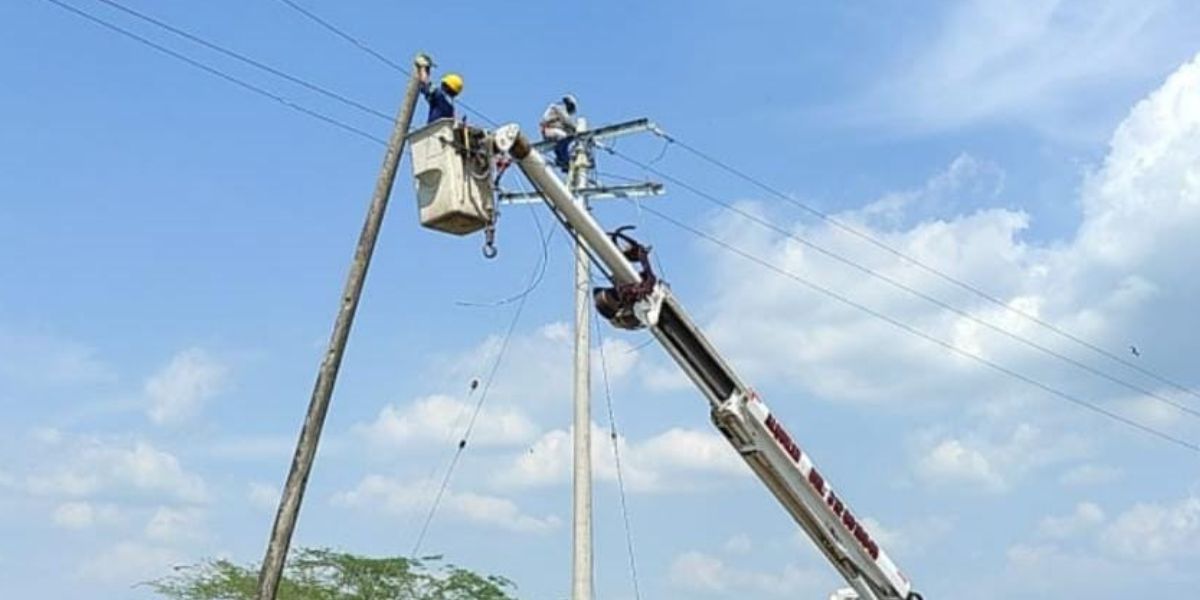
[(452, 165)]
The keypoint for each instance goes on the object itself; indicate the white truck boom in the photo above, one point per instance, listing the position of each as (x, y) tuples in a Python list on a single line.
[(637, 299)]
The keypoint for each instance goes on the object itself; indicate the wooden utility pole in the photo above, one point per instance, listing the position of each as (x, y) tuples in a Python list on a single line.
[(318, 407)]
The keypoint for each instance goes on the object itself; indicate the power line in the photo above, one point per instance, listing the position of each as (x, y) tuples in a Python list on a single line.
[(909, 289), (427, 482), (345, 36), (330, 120), (919, 333), (616, 447), (217, 72), (874, 241), (249, 61), (361, 45)]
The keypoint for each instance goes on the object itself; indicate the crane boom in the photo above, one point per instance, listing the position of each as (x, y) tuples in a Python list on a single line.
[(639, 300)]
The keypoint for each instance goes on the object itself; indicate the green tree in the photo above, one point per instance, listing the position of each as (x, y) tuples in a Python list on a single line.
[(323, 574)]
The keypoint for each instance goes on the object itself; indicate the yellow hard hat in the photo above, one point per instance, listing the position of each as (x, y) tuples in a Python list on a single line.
[(453, 82)]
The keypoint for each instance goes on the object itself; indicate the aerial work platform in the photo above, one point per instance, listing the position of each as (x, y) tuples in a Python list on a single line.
[(452, 165)]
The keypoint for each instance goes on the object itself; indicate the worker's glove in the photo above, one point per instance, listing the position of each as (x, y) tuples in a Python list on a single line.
[(423, 61)]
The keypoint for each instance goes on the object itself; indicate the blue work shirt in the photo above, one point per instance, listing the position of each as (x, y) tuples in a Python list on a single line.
[(440, 106)]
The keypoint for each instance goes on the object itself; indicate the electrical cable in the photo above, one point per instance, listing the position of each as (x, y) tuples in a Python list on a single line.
[(874, 241), (345, 36), (831, 220), (427, 482), (612, 428), (249, 61), (928, 337), (217, 72), (911, 290), (462, 443), (543, 263), (361, 45)]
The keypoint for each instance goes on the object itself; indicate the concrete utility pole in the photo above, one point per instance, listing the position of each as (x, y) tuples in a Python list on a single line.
[(581, 565), (310, 434)]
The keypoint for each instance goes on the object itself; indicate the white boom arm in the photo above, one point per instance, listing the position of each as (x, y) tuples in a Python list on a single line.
[(745, 421)]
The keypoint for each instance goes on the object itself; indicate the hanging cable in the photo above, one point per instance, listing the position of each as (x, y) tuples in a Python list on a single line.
[(462, 442), (661, 153), (616, 448), (217, 72), (973, 289), (249, 61), (911, 290), (647, 342), (427, 482), (544, 238), (928, 337)]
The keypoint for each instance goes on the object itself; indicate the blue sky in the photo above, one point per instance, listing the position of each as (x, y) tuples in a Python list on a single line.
[(174, 248)]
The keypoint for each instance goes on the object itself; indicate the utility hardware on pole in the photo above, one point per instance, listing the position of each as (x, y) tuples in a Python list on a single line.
[(314, 421)]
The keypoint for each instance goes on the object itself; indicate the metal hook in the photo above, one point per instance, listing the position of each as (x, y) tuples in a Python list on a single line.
[(489, 244)]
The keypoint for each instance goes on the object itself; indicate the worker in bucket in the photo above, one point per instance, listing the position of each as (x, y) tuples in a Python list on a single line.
[(558, 126), (440, 99)]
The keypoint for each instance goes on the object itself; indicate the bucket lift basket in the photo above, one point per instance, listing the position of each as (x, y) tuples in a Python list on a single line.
[(452, 166)]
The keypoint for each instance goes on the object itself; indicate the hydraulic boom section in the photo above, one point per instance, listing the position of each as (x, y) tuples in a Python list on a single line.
[(637, 299)]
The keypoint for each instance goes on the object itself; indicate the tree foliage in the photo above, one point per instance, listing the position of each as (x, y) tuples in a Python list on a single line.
[(323, 574)]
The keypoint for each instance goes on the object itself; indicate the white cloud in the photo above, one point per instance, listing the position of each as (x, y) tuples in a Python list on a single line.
[(1039, 62), (1153, 532), (618, 356), (699, 573), (263, 447), (666, 462), (536, 371), (1086, 517), (84, 515), (909, 539), (86, 467), (993, 466), (170, 525), (1090, 474), (377, 493), (1086, 553), (688, 450), (263, 495), (40, 359), (442, 418), (129, 563), (1124, 276), (179, 390), (967, 181), (738, 544), (543, 357), (951, 461), (1046, 570)]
